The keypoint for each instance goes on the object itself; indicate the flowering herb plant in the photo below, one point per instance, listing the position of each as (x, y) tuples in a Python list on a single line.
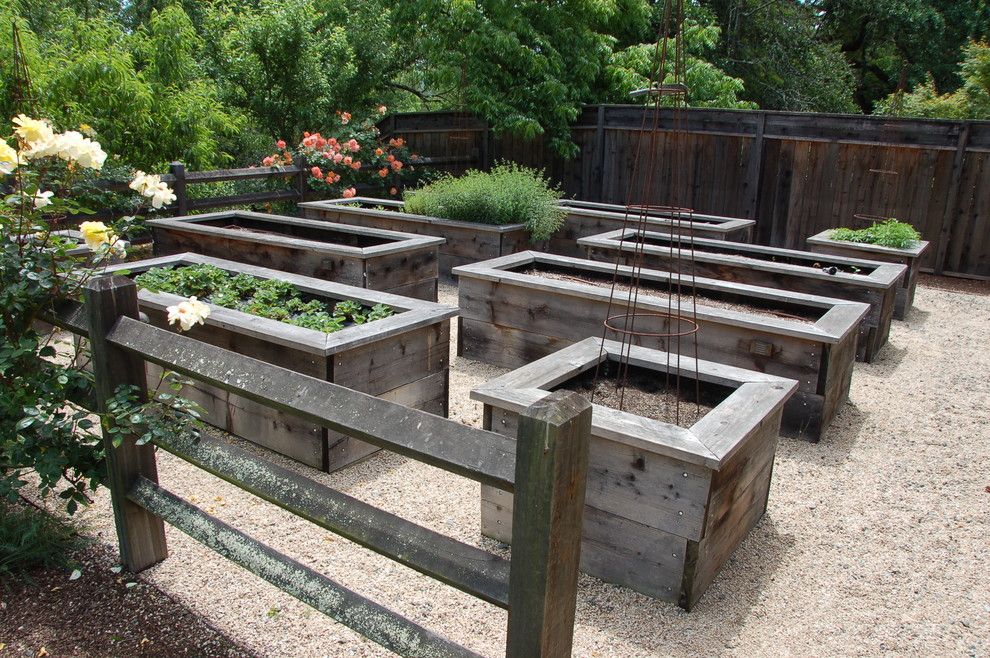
[(42, 431), (348, 155)]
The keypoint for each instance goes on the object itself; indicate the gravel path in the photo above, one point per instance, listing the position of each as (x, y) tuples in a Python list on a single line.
[(876, 540)]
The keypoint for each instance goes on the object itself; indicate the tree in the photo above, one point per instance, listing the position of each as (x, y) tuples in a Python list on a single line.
[(970, 101)]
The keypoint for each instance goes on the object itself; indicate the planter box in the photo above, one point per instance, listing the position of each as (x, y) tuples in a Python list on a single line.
[(403, 358), (399, 263), (911, 257), (467, 242), (666, 504), (510, 318), (857, 280), (585, 218)]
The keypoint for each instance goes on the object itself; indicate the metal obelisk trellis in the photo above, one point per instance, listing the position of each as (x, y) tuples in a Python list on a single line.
[(677, 327)]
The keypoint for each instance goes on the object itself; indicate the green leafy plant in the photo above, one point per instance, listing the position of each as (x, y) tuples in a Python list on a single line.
[(508, 194), (31, 538), (267, 298), (890, 233)]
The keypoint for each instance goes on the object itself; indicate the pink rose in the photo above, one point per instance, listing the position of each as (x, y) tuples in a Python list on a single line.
[(337, 157), (349, 192), (269, 161), (317, 173), (281, 144), (353, 145)]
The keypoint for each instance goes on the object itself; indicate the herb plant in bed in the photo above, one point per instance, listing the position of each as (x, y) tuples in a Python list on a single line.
[(890, 242), (519, 308), (481, 215), (374, 342), (399, 263), (870, 282), (673, 487)]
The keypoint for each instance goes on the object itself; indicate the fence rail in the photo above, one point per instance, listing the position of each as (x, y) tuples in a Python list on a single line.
[(546, 470), (795, 174)]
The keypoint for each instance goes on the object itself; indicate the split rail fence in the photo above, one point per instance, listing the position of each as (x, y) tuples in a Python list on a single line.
[(796, 174), (546, 470)]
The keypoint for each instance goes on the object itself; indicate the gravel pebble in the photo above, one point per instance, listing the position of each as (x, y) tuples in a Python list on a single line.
[(875, 541)]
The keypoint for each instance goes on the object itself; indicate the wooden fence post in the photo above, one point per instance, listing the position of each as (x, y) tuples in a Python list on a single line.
[(952, 204), (141, 534), (178, 170), (301, 175), (550, 480), (597, 181), (754, 169)]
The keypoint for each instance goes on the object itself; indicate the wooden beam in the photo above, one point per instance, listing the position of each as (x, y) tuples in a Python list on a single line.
[(952, 203), (141, 535), (178, 171), (460, 565), (387, 628), (754, 169), (551, 476), (472, 453)]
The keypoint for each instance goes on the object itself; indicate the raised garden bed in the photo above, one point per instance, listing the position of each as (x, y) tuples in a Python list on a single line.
[(667, 503), (585, 218), (400, 263), (911, 257), (402, 358), (870, 282), (520, 308), (466, 242)]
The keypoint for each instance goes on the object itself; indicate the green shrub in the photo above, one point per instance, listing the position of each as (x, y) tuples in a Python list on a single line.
[(509, 194), (890, 233)]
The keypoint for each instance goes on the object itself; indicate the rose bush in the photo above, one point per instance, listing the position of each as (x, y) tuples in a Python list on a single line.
[(42, 174), (350, 155)]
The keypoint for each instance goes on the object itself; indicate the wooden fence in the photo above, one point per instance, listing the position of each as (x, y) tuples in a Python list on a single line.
[(795, 174), (546, 470)]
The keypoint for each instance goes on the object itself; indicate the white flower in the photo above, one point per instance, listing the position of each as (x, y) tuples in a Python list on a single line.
[(9, 158), (161, 195), (142, 181), (188, 313), (72, 146), (42, 199), (32, 130)]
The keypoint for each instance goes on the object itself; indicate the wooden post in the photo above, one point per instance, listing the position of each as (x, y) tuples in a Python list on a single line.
[(178, 170), (598, 171), (754, 169), (486, 135), (551, 475), (300, 162), (141, 534), (952, 204)]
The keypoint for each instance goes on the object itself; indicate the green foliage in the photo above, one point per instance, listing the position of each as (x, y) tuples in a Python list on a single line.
[(709, 86), (268, 298), (890, 233), (509, 194), (31, 538), (971, 101)]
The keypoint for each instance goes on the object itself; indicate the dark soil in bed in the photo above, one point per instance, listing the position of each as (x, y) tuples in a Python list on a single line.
[(702, 297)]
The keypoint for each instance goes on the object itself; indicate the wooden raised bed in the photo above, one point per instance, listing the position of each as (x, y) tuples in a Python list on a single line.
[(666, 504), (403, 358), (585, 218), (510, 318), (858, 280), (467, 242), (400, 263), (911, 257)]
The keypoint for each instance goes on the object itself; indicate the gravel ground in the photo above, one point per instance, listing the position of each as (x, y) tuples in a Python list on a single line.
[(875, 542)]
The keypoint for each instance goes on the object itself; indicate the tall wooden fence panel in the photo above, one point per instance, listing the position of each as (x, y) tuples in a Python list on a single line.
[(796, 174)]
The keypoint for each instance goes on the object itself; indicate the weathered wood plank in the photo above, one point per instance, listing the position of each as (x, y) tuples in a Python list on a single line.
[(379, 624)]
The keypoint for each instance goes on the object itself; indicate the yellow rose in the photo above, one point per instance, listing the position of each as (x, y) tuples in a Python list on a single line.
[(32, 130), (8, 158), (95, 234)]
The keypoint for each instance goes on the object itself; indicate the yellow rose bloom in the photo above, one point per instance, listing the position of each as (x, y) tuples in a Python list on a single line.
[(95, 234), (8, 158), (32, 130)]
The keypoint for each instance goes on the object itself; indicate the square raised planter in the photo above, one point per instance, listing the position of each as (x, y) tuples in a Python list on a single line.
[(400, 263), (403, 358), (667, 502), (911, 257), (585, 218), (520, 308), (870, 282), (466, 242)]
